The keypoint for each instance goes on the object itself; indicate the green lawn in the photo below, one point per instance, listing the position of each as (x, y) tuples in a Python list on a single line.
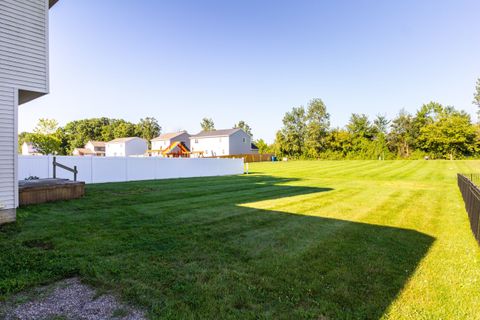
[(312, 239)]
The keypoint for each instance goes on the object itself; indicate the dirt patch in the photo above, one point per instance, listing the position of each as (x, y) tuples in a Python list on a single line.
[(67, 299)]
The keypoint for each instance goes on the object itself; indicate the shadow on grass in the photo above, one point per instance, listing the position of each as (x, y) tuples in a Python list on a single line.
[(187, 247)]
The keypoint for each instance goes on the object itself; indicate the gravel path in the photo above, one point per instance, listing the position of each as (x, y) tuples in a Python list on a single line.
[(67, 299)]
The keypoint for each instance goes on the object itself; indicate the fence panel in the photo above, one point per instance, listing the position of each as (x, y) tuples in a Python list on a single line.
[(118, 169), (471, 196)]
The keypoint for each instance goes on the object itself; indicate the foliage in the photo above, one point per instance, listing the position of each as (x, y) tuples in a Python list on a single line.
[(291, 138), (263, 147), (148, 128), (44, 137), (243, 125), (435, 130), (476, 95), (207, 124), (318, 123)]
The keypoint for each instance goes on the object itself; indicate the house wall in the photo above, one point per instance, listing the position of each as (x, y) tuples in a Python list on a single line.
[(24, 46), (211, 146), (162, 144), (136, 147), (240, 143), (127, 148), (23, 77)]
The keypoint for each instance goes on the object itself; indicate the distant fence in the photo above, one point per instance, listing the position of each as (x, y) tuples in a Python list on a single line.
[(118, 169), (471, 196), (250, 157)]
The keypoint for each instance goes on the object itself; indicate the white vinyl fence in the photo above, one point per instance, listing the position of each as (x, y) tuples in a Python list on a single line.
[(118, 169)]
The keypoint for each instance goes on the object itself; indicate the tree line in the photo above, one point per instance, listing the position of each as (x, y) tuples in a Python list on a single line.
[(435, 131), (49, 138)]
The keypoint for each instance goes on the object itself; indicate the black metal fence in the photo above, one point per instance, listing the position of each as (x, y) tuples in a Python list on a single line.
[(468, 184)]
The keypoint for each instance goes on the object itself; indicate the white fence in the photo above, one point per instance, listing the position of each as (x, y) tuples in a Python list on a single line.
[(118, 169)]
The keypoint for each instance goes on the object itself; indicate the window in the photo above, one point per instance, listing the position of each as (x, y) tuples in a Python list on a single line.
[(244, 140), (196, 140)]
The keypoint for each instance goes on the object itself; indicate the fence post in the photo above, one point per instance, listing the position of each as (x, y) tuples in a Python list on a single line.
[(75, 173), (54, 167)]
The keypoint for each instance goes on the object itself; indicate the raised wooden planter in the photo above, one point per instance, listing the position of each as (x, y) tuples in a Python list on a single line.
[(49, 190)]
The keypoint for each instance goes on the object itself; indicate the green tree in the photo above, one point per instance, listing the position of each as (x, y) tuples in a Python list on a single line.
[(360, 127), (318, 123), (263, 147), (46, 126), (451, 134), (290, 140), (207, 124), (476, 96), (243, 125), (44, 137), (148, 128), (400, 138)]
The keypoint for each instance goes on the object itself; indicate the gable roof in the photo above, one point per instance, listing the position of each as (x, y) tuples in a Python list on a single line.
[(123, 140), (97, 143), (51, 3), (168, 136), (216, 133)]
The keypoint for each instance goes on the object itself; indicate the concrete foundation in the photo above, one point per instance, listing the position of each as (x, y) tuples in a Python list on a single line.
[(8, 215)]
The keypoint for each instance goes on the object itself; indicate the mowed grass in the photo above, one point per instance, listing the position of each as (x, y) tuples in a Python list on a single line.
[(301, 239)]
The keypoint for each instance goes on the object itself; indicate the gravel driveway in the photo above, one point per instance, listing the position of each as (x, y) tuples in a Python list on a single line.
[(67, 299)]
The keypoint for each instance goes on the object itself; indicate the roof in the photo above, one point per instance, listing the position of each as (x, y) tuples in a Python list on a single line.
[(83, 150), (123, 140), (51, 3), (216, 133), (168, 136), (97, 143), (253, 146)]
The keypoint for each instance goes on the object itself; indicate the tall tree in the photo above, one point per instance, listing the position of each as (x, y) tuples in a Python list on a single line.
[(46, 126), (359, 126), (318, 123), (400, 137), (148, 128), (451, 134), (243, 125), (291, 138), (207, 124), (44, 137), (476, 96)]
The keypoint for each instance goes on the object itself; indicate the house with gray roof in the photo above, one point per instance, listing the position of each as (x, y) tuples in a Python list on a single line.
[(218, 143), (166, 139)]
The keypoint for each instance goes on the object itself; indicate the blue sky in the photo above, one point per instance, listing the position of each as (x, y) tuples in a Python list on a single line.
[(252, 60)]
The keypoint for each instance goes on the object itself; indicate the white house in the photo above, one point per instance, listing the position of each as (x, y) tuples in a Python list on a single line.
[(92, 148), (221, 143), (28, 149), (164, 140), (124, 147), (24, 76)]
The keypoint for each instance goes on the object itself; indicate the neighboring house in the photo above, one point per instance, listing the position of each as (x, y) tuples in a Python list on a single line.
[(124, 147), (24, 76), (253, 148), (163, 141), (92, 148), (28, 149), (221, 143)]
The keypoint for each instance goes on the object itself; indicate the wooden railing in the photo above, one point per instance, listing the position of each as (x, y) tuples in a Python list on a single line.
[(64, 167)]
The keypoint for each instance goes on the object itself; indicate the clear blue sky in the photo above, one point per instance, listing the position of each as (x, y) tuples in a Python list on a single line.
[(253, 60)]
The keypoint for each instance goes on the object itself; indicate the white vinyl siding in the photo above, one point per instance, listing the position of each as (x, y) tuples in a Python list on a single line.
[(24, 44), (7, 147), (23, 75)]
